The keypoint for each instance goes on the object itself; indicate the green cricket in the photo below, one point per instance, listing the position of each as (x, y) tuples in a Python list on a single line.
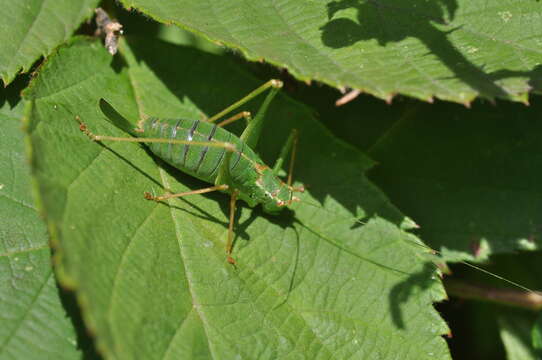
[(211, 153)]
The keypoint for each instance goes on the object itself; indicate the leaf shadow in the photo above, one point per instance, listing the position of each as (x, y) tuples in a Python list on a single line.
[(84, 340), (401, 292), (131, 164), (11, 93), (386, 22)]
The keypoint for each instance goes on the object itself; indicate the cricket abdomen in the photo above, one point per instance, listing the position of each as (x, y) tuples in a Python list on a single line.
[(200, 161)]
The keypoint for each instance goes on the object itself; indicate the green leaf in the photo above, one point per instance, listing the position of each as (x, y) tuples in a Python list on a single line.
[(34, 323), (33, 28), (141, 26), (515, 329), (153, 279), (536, 335), (449, 49)]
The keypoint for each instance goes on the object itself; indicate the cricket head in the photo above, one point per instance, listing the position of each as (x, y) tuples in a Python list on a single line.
[(274, 194), (284, 197)]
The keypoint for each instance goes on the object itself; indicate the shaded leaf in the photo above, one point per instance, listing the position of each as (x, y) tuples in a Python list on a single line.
[(33, 28), (474, 328), (514, 324), (153, 279), (536, 335), (450, 49), (469, 178)]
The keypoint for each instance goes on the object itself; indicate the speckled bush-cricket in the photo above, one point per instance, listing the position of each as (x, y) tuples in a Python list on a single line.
[(210, 153)]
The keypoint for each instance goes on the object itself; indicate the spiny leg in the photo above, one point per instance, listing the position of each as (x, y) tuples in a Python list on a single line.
[(149, 196), (241, 115), (233, 199), (270, 84), (223, 177), (229, 244)]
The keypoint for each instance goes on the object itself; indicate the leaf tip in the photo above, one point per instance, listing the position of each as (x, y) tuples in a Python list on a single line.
[(389, 98)]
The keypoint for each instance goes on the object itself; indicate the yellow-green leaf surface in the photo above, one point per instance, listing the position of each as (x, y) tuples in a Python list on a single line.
[(335, 277), (33, 28), (34, 323), (450, 49)]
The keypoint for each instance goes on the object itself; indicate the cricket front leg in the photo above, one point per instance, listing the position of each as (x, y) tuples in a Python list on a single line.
[(290, 146), (224, 177), (229, 244)]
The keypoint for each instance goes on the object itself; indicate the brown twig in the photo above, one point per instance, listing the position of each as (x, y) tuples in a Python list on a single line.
[(531, 300), (346, 98)]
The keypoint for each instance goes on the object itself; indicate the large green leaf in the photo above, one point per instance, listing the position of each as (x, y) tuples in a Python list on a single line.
[(450, 49), (32, 28), (152, 279), (34, 323), (470, 178)]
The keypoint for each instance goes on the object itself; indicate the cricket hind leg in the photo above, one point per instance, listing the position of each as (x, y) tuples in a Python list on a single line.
[(274, 84), (242, 115), (251, 134), (149, 196), (233, 200)]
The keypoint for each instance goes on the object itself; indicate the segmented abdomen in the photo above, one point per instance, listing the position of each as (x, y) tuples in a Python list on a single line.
[(199, 161)]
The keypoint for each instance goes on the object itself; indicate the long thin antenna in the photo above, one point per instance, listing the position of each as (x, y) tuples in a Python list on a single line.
[(513, 283)]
